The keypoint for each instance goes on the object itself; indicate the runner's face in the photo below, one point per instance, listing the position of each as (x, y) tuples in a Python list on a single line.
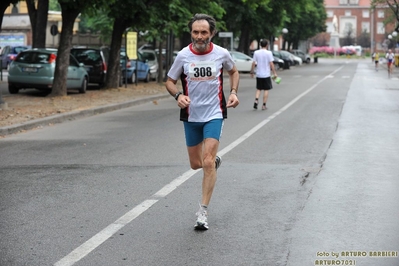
[(201, 35)]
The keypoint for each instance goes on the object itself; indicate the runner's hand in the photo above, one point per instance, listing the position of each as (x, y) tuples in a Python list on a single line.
[(183, 101), (232, 101)]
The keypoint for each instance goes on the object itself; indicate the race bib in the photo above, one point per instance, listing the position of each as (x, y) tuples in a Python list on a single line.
[(202, 71)]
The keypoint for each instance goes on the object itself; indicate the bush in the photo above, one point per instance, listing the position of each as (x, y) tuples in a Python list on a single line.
[(315, 51)]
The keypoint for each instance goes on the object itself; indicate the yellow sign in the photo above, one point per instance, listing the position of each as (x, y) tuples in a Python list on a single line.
[(131, 45)]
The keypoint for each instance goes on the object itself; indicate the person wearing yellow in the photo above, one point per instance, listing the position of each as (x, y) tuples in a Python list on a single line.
[(376, 60)]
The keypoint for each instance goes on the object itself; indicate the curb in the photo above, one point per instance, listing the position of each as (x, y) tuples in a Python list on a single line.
[(55, 119)]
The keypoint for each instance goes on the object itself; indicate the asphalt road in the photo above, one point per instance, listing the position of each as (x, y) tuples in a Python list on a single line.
[(314, 176)]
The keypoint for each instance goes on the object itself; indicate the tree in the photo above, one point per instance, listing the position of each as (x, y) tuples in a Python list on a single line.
[(38, 20), (70, 10), (320, 39), (3, 6), (124, 14), (252, 20), (160, 27), (169, 25), (99, 23), (255, 20), (54, 6), (393, 16), (306, 19)]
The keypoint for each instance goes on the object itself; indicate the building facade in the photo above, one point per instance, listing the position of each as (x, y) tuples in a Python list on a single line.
[(355, 18)]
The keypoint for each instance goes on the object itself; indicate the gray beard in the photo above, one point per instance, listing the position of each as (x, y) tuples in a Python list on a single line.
[(202, 47)]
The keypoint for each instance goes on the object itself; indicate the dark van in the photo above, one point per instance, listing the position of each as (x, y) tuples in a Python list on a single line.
[(95, 61)]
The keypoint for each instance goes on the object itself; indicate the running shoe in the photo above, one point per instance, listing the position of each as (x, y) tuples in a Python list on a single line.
[(202, 219), (218, 161), (255, 105)]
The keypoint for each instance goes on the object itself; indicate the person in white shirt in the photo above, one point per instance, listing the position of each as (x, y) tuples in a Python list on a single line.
[(203, 105), (390, 57), (263, 60)]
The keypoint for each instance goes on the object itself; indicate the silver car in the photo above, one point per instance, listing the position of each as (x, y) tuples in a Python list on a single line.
[(243, 62), (152, 60), (305, 57), (35, 68)]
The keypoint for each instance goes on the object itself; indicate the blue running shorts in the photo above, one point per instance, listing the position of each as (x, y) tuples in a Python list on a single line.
[(196, 132)]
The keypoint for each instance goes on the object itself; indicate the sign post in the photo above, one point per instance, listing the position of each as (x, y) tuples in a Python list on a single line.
[(227, 35), (131, 45), (131, 51), (54, 32)]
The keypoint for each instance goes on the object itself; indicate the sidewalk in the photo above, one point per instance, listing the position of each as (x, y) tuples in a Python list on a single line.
[(34, 110), (353, 207)]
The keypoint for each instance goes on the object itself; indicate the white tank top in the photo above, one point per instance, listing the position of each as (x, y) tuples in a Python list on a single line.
[(202, 80)]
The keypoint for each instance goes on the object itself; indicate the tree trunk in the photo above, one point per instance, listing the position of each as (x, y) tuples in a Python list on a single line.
[(38, 19), (185, 39), (3, 6), (62, 62), (161, 76), (244, 40), (113, 70), (41, 24), (32, 11)]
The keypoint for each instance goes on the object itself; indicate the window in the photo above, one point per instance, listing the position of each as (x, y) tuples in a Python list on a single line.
[(381, 13), (380, 28), (349, 2), (330, 13), (149, 56), (366, 13), (349, 30), (72, 61), (348, 13), (365, 27)]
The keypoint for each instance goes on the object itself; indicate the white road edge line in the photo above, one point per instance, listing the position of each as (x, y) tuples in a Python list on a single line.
[(91, 244)]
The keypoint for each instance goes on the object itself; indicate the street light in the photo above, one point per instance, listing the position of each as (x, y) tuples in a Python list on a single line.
[(284, 31), (394, 35)]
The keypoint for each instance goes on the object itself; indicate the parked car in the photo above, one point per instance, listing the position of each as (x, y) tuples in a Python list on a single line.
[(9, 53), (95, 61), (294, 59), (243, 62), (146, 46), (142, 73), (297, 59), (305, 57), (34, 68), (151, 58), (278, 63), (288, 61), (174, 54)]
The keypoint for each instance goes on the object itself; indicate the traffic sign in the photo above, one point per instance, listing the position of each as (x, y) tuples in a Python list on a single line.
[(226, 34), (54, 30)]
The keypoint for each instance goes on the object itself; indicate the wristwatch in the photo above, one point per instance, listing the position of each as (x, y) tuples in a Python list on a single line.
[(177, 95)]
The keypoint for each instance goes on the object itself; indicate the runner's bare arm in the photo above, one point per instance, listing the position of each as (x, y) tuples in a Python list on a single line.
[(234, 82), (182, 100)]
